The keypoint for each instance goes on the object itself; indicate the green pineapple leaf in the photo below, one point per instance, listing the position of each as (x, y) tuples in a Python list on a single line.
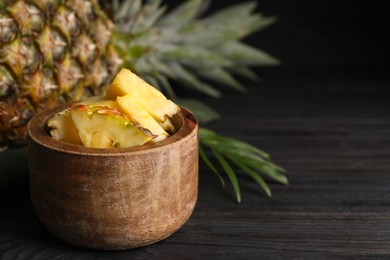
[(188, 79), (242, 54), (194, 56), (181, 15), (244, 72), (221, 76), (229, 172), (127, 9), (203, 112), (252, 161), (210, 165), (193, 48), (253, 174)]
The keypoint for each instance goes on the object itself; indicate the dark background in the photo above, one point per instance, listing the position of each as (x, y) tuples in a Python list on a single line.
[(323, 38)]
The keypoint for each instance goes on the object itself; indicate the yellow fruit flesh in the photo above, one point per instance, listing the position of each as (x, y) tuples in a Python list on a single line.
[(168, 126), (62, 125), (155, 103), (131, 106), (108, 130), (63, 128), (132, 113)]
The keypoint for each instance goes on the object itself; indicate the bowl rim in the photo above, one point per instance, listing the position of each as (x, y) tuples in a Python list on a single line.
[(36, 133)]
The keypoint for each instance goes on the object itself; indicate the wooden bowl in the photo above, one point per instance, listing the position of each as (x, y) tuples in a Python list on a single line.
[(113, 198)]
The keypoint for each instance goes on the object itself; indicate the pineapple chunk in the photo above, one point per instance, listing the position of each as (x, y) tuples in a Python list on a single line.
[(155, 103), (168, 126), (132, 113), (62, 128), (131, 106), (105, 127)]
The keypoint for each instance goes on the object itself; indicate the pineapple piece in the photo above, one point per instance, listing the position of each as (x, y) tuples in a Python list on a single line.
[(168, 126), (105, 127), (131, 106), (62, 128), (155, 103)]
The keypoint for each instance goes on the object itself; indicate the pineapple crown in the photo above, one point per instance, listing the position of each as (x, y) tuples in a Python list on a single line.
[(185, 46)]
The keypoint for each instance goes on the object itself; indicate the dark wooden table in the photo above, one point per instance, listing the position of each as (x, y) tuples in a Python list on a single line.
[(324, 115)]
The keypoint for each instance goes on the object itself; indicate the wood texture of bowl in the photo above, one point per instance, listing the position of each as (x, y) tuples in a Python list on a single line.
[(113, 198)]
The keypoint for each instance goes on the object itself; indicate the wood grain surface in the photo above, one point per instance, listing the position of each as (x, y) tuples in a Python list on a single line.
[(324, 115)]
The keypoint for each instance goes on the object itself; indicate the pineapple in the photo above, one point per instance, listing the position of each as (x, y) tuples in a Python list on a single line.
[(51, 52), (135, 108), (54, 51), (99, 125), (59, 51), (106, 127), (105, 119), (62, 128), (155, 103), (168, 126)]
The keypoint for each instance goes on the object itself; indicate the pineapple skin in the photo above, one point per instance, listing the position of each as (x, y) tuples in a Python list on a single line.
[(50, 52)]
